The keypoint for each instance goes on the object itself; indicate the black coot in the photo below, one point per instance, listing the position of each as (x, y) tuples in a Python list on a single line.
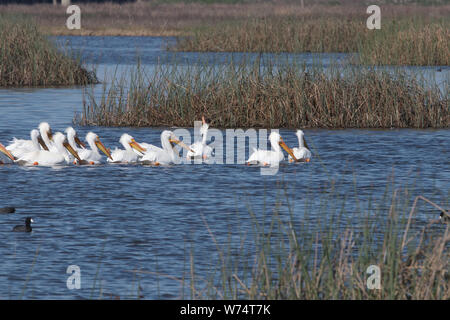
[(26, 227), (445, 217), (7, 210)]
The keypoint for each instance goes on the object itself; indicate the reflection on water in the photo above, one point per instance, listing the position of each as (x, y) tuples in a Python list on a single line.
[(113, 218)]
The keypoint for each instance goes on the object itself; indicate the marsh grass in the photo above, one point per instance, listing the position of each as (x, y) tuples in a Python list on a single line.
[(27, 58), (276, 34), (262, 94), (325, 252), (168, 18), (405, 41), (327, 256), (408, 42)]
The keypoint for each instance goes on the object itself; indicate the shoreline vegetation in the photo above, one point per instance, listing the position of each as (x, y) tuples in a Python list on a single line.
[(28, 58), (398, 42), (285, 257), (411, 34), (171, 18), (268, 94), (334, 250)]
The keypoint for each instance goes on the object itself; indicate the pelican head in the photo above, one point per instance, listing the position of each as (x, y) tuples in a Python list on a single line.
[(37, 139), (204, 127), (275, 139), (61, 143), (94, 141), (72, 136), (45, 130), (169, 136), (301, 139), (128, 141), (34, 134)]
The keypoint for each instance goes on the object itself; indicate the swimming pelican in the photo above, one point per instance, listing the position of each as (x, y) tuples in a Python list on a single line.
[(270, 157), (19, 147), (199, 148), (167, 153), (127, 155), (47, 136), (74, 141), (302, 153), (6, 152), (93, 156), (50, 158)]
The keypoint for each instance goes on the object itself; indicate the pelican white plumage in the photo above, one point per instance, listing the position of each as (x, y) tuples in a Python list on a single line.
[(5, 152), (74, 141), (166, 154), (270, 157), (127, 155), (47, 135), (92, 156), (50, 158), (200, 149), (302, 153), (19, 147)]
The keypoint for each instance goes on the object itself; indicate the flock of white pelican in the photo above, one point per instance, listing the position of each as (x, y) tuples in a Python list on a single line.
[(48, 149)]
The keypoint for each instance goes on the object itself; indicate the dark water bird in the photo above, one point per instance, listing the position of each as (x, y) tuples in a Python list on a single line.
[(26, 227), (7, 210), (444, 217)]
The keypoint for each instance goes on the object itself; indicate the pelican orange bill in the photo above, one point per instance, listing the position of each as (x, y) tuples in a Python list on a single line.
[(71, 150), (288, 150), (79, 142), (42, 143), (6, 152), (136, 146), (180, 143), (100, 145)]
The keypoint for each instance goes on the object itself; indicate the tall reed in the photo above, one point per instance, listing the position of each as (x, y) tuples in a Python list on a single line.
[(328, 256), (262, 94), (276, 34), (403, 41), (27, 58)]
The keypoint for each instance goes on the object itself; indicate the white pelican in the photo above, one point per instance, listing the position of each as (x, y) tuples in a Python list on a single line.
[(167, 153), (302, 153), (127, 155), (199, 148), (93, 156), (47, 136), (19, 147), (50, 158), (270, 157), (6, 152), (74, 141)]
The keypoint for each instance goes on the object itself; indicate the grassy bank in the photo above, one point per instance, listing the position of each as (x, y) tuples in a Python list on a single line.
[(398, 42), (262, 95), (152, 18), (28, 58), (413, 33)]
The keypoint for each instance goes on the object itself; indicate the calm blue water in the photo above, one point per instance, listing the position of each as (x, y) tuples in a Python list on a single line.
[(109, 220)]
